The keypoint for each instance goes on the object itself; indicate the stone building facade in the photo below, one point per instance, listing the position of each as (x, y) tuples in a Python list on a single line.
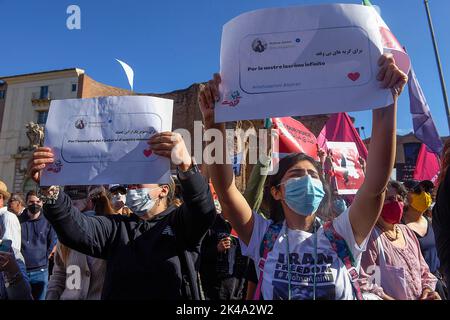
[(3, 88), (27, 100)]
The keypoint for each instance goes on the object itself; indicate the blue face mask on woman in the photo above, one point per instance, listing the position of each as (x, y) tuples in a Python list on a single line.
[(304, 195), (139, 201)]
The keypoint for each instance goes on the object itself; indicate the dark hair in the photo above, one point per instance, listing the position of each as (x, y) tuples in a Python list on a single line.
[(399, 188), (99, 198), (102, 205), (30, 194), (274, 206)]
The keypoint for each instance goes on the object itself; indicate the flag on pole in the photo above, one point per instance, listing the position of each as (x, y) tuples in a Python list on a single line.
[(339, 128), (128, 71), (424, 127), (427, 165), (390, 42), (293, 137)]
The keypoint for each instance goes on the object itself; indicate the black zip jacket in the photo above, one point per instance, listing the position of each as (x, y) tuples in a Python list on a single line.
[(156, 259)]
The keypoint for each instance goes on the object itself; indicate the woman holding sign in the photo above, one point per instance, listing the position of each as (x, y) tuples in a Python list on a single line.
[(297, 257), (152, 254)]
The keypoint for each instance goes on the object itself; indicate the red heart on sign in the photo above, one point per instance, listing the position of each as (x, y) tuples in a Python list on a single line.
[(148, 153), (354, 76)]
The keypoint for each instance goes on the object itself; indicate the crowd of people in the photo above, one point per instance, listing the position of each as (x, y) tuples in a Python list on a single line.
[(197, 237)]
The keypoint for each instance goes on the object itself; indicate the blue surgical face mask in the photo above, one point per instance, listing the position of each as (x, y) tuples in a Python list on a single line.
[(139, 201), (304, 195)]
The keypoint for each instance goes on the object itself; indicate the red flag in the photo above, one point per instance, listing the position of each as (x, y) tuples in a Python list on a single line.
[(294, 137), (427, 166), (339, 128)]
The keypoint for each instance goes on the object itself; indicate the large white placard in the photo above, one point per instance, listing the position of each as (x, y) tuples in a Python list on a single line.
[(104, 140), (301, 61)]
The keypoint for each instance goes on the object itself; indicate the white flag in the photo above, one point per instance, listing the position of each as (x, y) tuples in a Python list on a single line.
[(129, 72)]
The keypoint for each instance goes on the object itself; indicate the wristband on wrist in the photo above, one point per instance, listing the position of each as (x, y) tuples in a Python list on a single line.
[(186, 174)]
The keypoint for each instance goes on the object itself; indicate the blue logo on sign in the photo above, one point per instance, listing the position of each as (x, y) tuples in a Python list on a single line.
[(297, 40)]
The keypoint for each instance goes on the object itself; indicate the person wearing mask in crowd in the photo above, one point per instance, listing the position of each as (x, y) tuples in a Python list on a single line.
[(91, 270), (223, 268), (418, 202), (38, 244), (393, 267), (118, 198), (441, 214), (292, 246), (14, 284), (154, 253), (8, 221), (16, 204)]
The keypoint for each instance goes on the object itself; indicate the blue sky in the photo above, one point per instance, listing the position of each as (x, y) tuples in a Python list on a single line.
[(173, 43)]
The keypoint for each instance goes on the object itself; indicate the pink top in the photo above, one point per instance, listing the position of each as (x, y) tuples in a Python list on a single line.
[(403, 273)]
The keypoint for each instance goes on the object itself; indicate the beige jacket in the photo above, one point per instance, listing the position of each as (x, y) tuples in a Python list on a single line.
[(73, 279)]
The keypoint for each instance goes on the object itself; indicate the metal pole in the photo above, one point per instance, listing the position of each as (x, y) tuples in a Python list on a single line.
[(438, 60)]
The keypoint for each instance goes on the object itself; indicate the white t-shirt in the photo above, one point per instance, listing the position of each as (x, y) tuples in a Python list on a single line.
[(332, 278)]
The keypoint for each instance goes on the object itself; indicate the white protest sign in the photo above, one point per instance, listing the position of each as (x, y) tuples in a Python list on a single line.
[(301, 61), (104, 141)]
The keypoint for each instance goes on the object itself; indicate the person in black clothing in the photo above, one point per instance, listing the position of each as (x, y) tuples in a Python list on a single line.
[(223, 267), (154, 253), (441, 215), (38, 244)]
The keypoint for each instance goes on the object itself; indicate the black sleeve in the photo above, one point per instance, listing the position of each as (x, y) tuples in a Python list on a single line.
[(197, 213), (251, 275), (89, 235), (441, 221)]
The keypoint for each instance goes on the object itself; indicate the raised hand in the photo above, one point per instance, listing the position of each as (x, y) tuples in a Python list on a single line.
[(207, 97), (390, 76), (42, 157), (171, 145)]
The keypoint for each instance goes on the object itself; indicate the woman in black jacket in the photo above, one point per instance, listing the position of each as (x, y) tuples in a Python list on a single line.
[(154, 253)]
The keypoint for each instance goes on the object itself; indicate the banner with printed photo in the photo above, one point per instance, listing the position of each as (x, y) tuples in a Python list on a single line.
[(347, 171)]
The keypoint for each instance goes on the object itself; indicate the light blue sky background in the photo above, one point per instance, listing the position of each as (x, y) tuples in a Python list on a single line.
[(173, 43)]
